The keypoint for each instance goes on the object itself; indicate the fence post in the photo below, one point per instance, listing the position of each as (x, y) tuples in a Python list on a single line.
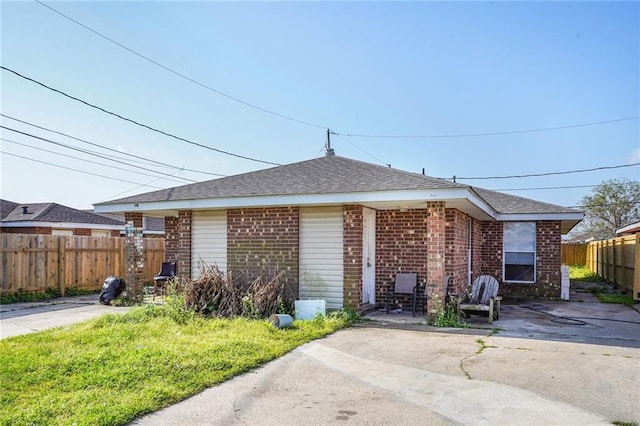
[(636, 271), (61, 264)]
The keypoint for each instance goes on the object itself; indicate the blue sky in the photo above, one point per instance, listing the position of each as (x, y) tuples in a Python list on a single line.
[(416, 68)]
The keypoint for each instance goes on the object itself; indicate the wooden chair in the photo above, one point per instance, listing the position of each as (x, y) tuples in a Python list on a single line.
[(483, 298), (405, 285), (167, 272)]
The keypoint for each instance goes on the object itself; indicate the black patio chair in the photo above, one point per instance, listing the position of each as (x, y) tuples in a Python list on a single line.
[(167, 272)]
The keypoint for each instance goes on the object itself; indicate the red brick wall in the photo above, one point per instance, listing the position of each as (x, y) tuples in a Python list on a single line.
[(548, 260), (352, 255), (476, 249), (457, 247), (491, 250), (135, 217), (401, 246), (436, 250), (261, 241), (115, 233), (27, 230), (82, 231)]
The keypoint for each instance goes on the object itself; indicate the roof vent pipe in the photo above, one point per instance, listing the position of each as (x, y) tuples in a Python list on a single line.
[(25, 209)]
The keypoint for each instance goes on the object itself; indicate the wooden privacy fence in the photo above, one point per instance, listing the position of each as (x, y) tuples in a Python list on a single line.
[(618, 261), (33, 262), (574, 254)]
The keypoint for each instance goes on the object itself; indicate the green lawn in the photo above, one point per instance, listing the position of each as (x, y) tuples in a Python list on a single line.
[(115, 368), (581, 273)]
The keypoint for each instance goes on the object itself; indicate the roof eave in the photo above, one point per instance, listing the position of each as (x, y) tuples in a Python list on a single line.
[(59, 225)]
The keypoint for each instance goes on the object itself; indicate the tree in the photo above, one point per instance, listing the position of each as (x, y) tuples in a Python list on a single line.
[(611, 205)]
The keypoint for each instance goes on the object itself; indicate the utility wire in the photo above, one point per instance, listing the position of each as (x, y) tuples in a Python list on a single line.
[(511, 132), (76, 170), (95, 155), (308, 123), (162, 132), (547, 174), (86, 161), (357, 147), (146, 160), (172, 71), (545, 187), (111, 197)]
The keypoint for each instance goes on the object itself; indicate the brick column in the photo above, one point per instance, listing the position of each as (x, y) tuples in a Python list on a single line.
[(171, 238), (134, 255), (184, 244), (436, 248), (352, 255), (135, 217)]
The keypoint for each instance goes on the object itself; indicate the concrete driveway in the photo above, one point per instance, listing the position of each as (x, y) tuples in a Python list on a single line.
[(525, 369), (23, 318), (381, 376)]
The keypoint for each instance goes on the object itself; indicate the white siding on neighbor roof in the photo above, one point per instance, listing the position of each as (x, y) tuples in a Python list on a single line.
[(208, 240), (321, 255)]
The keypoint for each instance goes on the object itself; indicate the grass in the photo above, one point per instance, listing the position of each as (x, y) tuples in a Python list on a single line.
[(110, 370), (38, 296), (622, 299), (581, 273)]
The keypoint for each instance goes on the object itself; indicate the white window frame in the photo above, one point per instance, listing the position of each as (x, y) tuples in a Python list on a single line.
[(504, 253)]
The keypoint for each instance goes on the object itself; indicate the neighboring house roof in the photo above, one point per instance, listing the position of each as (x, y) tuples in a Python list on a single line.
[(582, 238), (53, 214), (338, 180), (6, 207), (629, 229)]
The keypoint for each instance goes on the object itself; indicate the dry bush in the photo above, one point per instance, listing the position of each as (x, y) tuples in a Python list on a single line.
[(222, 295)]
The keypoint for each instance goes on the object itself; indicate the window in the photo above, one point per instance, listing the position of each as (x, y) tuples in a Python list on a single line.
[(519, 262)]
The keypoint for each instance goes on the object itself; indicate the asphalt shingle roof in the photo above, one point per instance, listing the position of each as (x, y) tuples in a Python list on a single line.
[(52, 212), (6, 207), (512, 204), (331, 174)]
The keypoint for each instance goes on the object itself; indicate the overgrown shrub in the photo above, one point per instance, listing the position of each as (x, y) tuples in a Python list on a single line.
[(222, 295)]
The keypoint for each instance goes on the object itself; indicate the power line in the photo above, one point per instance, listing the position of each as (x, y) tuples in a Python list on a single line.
[(357, 147), (511, 132), (85, 160), (309, 123), (545, 187), (135, 122), (76, 170), (547, 174), (146, 160), (196, 82), (94, 154)]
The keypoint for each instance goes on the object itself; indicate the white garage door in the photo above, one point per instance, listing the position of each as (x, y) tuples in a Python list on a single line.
[(321, 255), (208, 240)]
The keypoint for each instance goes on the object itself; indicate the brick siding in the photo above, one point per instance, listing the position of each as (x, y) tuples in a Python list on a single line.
[(135, 217), (171, 238), (261, 241), (82, 231), (352, 255), (491, 250), (183, 257), (457, 248), (28, 230), (548, 260)]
